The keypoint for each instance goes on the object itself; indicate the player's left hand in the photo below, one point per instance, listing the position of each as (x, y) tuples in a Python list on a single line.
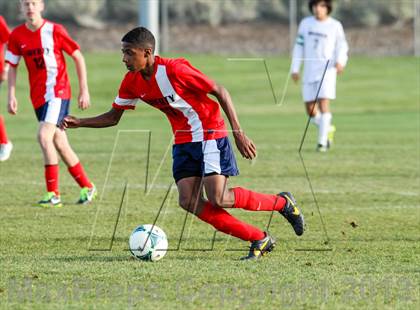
[(245, 145), (83, 100), (295, 77), (339, 67)]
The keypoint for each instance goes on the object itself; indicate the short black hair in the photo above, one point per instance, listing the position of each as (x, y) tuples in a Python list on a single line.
[(141, 37), (328, 3)]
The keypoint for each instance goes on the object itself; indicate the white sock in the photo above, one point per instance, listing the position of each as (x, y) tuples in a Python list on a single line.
[(324, 128), (316, 120)]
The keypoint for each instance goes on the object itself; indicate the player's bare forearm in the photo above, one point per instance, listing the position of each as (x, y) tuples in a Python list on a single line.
[(79, 61), (226, 103), (5, 72), (245, 146), (108, 119), (11, 78), (12, 103), (84, 98)]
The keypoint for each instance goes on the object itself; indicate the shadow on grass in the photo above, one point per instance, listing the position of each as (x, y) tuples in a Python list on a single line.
[(127, 257), (92, 258)]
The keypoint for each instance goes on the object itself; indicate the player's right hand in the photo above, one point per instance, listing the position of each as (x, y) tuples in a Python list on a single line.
[(245, 145), (339, 67), (69, 122), (83, 100), (295, 77), (12, 106)]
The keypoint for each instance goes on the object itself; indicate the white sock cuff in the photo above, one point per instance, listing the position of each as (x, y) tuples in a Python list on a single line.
[(316, 119), (324, 127), (326, 116)]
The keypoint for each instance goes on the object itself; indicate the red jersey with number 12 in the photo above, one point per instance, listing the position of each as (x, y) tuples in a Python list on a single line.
[(42, 51), (180, 91)]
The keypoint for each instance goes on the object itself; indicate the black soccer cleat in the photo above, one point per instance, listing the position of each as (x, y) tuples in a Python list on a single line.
[(260, 247), (292, 213)]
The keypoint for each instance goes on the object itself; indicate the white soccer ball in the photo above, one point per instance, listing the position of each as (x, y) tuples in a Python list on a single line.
[(148, 242)]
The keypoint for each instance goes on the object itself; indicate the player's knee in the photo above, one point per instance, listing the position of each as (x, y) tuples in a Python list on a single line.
[(312, 113), (187, 203), (60, 146), (44, 140)]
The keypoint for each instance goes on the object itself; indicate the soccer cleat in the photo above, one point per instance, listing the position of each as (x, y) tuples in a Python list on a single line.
[(5, 150), (50, 200), (331, 134), (260, 247), (322, 148), (292, 213), (87, 195), (330, 139)]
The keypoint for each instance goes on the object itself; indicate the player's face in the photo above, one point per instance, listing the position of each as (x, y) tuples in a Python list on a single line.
[(320, 10), (135, 58), (32, 9)]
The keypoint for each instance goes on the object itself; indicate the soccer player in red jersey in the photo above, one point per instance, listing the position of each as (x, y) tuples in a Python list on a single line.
[(41, 44), (5, 144), (202, 151)]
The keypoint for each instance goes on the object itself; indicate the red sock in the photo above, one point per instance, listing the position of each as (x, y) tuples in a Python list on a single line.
[(3, 135), (51, 178), (224, 222), (253, 201), (79, 175)]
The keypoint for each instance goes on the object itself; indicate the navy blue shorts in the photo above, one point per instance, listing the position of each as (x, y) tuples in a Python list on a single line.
[(203, 159), (53, 111)]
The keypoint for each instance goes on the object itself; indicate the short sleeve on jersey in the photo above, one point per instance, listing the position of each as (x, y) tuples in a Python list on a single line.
[(192, 78), (126, 99), (4, 31), (124, 104), (64, 39), (13, 51)]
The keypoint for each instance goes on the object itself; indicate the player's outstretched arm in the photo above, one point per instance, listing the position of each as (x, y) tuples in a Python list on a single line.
[(84, 98), (245, 146), (12, 103), (108, 119)]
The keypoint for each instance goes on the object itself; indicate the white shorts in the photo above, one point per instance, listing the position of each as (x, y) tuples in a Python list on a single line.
[(327, 91)]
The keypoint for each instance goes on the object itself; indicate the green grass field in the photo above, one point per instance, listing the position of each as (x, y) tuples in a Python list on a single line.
[(367, 189)]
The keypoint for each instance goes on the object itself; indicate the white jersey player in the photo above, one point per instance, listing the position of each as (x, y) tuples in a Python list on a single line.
[(320, 39)]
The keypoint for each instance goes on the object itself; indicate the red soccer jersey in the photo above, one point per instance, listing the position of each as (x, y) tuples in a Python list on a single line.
[(4, 37), (180, 91), (42, 51)]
